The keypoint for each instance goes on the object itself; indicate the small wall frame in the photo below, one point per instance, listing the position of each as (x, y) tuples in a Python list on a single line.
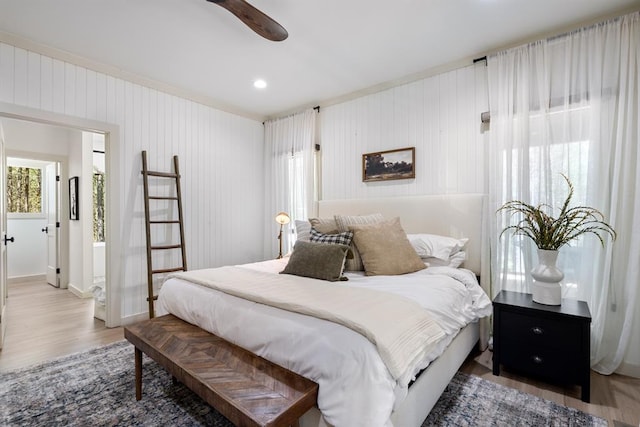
[(388, 165), (74, 213)]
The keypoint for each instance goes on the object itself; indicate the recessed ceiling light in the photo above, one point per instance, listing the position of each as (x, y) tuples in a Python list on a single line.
[(260, 84)]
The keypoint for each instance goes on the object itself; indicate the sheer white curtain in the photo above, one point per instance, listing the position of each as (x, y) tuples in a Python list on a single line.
[(289, 175), (570, 105)]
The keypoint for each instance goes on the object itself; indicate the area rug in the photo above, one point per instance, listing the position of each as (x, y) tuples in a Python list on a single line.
[(96, 388)]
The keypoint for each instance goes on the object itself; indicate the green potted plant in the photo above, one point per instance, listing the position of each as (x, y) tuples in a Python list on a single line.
[(550, 234)]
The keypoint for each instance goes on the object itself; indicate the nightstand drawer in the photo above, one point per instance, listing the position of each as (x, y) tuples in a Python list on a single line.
[(544, 362), (537, 331)]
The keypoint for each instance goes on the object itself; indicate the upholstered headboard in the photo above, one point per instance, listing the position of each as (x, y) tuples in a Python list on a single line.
[(455, 215)]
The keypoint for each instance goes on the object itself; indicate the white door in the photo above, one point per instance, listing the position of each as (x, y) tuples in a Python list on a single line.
[(53, 192), (3, 243)]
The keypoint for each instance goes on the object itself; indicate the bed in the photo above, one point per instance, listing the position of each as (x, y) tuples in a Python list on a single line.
[(356, 387)]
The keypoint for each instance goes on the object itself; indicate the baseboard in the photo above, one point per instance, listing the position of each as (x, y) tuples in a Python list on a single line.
[(27, 279), (130, 320), (629, 369), (77, 292)]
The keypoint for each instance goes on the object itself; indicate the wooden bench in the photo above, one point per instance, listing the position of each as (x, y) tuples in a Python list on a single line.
[(245, 388)]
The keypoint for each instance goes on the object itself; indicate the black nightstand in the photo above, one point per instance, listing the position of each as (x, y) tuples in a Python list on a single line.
[(551, 342)]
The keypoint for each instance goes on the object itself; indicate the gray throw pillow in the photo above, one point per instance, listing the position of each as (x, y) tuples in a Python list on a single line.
[(317, 260)]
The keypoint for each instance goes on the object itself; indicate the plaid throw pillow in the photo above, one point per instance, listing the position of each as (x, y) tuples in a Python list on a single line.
[(343, 238)]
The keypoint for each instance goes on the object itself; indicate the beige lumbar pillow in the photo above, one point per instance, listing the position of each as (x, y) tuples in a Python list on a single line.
[(385, 249)]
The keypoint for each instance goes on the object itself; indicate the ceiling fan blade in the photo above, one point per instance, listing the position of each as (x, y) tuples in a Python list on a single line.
[(254, 19)]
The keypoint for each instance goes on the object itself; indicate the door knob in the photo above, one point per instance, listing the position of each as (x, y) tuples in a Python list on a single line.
[(45, 230), (8, 239)]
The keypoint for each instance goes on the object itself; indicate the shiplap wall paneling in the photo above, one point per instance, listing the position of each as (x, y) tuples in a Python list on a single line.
[(438, 115), (220, 159)]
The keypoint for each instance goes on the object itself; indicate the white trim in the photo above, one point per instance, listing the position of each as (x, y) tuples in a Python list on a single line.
[(629, 369), (77, 292), (26, 215), (135, 318), (26, 279), (113, 278)]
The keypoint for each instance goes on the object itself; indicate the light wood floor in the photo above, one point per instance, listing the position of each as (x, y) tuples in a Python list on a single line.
[(44, 322)]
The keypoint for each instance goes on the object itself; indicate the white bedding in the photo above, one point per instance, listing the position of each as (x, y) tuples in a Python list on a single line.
[(355, 386)]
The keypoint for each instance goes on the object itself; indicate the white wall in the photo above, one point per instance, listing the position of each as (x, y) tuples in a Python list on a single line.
[(439, 115), (221, 159), (80, 252), (32, 137)]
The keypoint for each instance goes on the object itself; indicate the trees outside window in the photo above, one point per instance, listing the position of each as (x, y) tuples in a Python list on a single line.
[(24, 190), (98, 207)]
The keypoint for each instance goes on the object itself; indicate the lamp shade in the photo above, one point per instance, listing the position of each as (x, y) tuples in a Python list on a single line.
[(282, 218)]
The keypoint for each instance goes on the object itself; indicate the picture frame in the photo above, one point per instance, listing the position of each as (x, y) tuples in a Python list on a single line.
[(389, 165), (74, 213)]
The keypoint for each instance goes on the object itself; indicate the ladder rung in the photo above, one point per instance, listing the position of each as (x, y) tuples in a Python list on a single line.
[(166, 247), (165, 222), (162, 174), (167, 270), (162, 198)]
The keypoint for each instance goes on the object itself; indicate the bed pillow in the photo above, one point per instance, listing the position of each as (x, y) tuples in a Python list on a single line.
[(454, 261), (385, 249), (344, 223), (303, 228), (317, 260), (432, 245), (325, 225), (344, 238)]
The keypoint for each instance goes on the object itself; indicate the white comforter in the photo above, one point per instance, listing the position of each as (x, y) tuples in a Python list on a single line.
[(356, 389)]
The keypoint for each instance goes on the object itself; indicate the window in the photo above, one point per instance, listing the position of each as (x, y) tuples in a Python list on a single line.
[(98, 206), (24, 190), (558, 142)]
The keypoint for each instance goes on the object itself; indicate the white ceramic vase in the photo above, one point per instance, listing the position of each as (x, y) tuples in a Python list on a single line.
[(546, 288)]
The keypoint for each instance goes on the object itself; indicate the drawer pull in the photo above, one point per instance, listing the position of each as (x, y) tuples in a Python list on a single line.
[(537, 330), (537, 360)]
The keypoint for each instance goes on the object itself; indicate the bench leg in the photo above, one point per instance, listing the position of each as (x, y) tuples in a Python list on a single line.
[(138, 373)]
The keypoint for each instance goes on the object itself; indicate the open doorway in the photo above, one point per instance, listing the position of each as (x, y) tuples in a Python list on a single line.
[(113, 279), (32, 200), (46, 157), (67, 166)]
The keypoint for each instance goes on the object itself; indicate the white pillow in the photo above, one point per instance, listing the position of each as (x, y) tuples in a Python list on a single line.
[(432, 245), (303, 231), (454, 261)]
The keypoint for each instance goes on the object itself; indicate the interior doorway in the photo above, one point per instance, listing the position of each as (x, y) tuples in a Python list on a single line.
[(111, 132), (33, 218)]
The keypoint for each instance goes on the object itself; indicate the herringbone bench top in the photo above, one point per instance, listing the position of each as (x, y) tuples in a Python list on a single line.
[(245, 388)]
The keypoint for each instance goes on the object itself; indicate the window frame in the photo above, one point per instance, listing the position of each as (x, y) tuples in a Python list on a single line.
[(31, 164)]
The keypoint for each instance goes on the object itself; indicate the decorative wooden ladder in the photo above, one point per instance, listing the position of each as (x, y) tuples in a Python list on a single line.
[(175, 175)]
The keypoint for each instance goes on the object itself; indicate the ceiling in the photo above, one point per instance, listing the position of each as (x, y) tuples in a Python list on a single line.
[(336, 48)]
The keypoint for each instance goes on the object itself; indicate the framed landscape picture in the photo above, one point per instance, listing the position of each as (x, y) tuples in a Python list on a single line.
[(387, 165)]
